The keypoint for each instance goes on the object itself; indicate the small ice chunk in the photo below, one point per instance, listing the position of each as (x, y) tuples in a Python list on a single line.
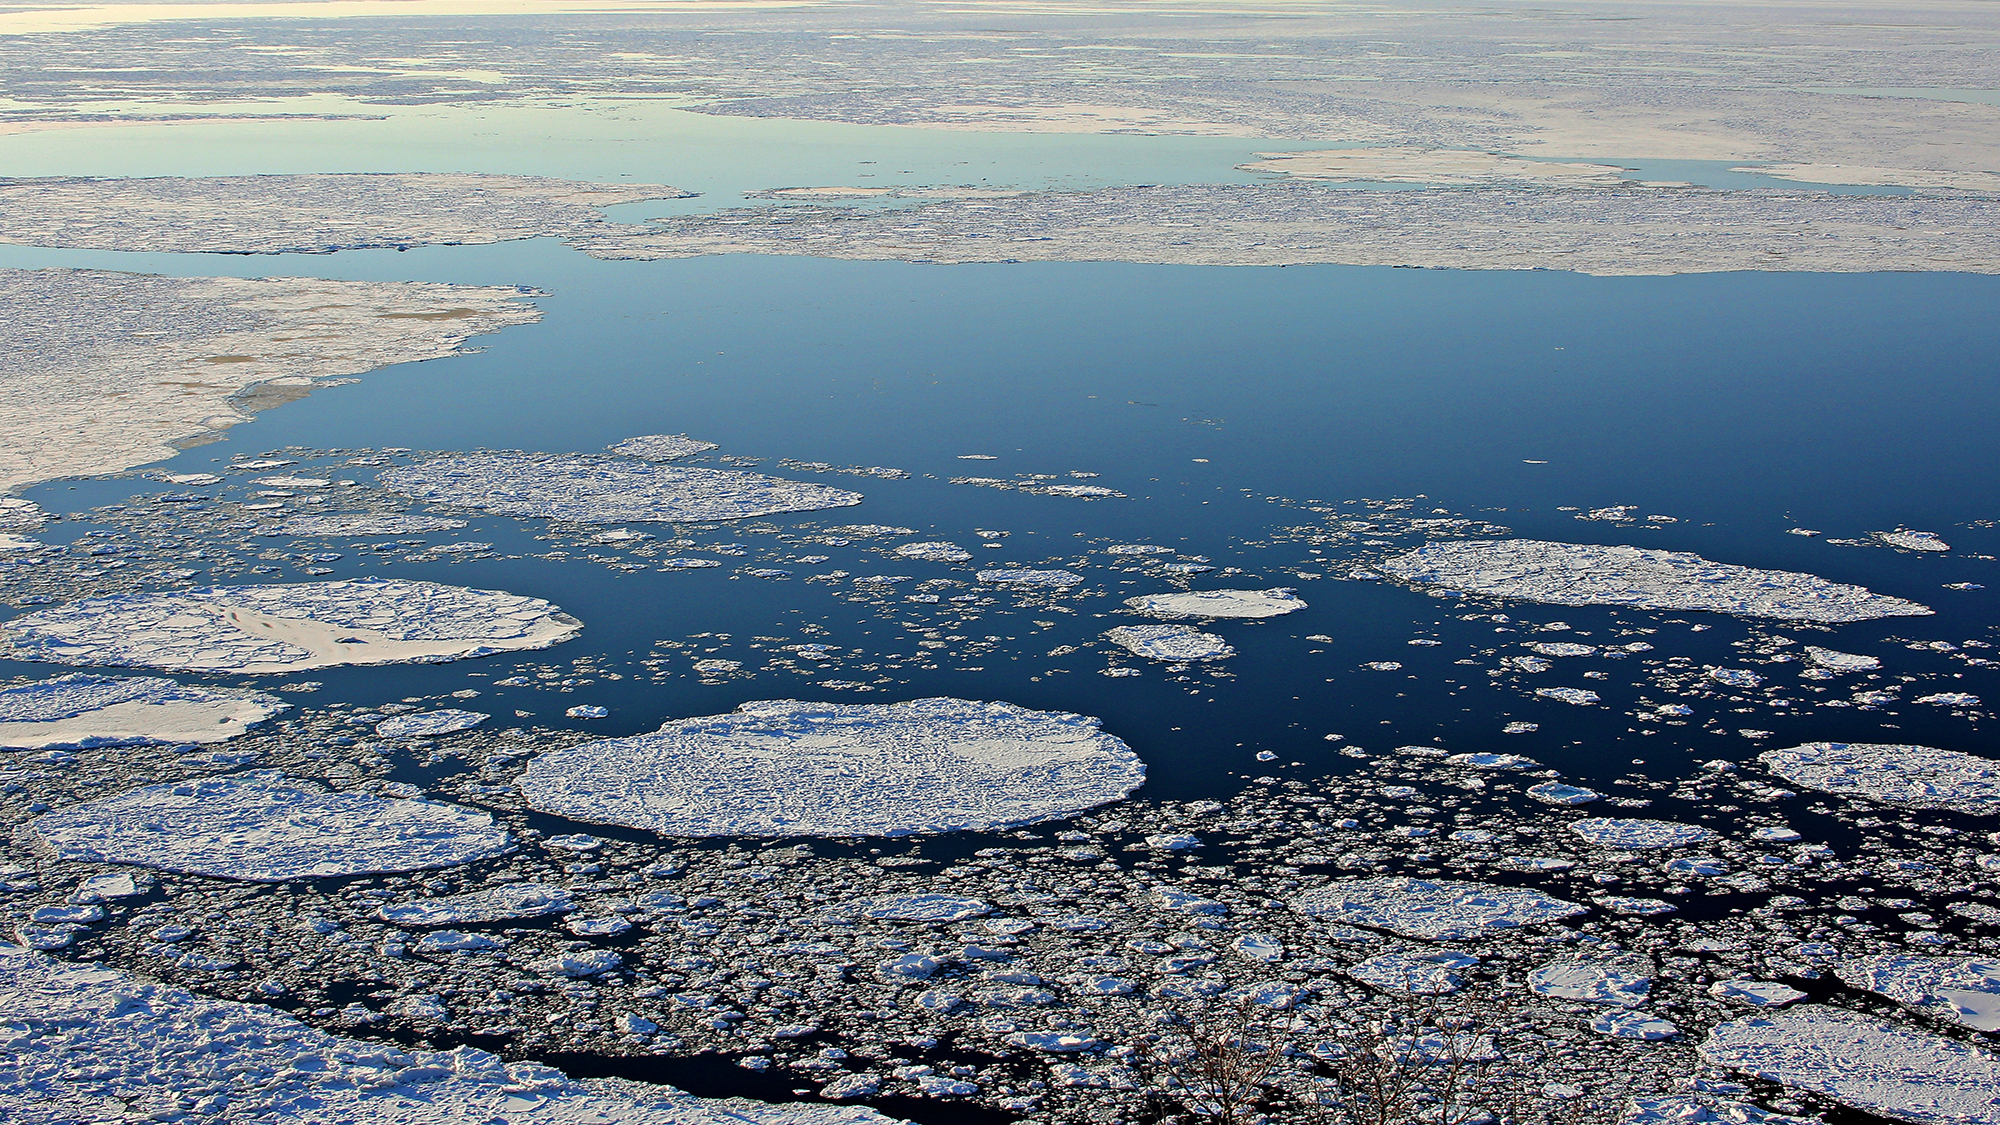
[(1949, 699), (1628, 1024), (1486, 761), (1965, 990), (586, 711), (85, 710), (1919, 777), (1137, 549), (1862, 1063), (429, 724), (1030, 579), (1775, 834), (1755, 993), (921, 908), (1219, 603), (1627, 905), (1415, 972), (1520, 728), (661, 447), (1608, 832), (606, 490), (1735, 677), (1575, 696), (1561, 648), (1438, 910), (934, 552), (1557, 793), (1173, 841), (1172, 643), (1834, 661), (490, 904), (581, 963), (1623, 982), (1909, 540)]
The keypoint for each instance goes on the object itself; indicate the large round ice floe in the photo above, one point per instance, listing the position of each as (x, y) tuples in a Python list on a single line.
[(1586, 574), (1965, 990), (1863, 1063), (265, 827), (606, 489), (1918, 777), (1614, 832), (288, 628), (788, 768), (1169, 642), (86, 710), (1219, 603), (1440, 910)]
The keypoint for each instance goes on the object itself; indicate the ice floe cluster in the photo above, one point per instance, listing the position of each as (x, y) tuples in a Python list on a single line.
[(605, 489), (84, 710)]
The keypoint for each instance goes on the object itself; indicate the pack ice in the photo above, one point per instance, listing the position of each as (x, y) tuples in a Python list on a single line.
[(366, 524), (288, 628), (430, 724), (85, 710), (83, 1037), (489, 904), (265, 827), (1219, 603), (1640, 578), (1440, 910), (791, 768), (1918, 777), (1965, 990), (591, 489), (1169, 642), (1621, 982), (1612, 832), (1863, 1064)]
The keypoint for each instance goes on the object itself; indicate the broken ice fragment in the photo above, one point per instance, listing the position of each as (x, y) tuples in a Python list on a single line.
[(586, 711), (1755, 993), (1840, 661), (1576, 696), (491, 904), (1414, 972), (1909, 540), (1432, 910), (1911, 776), (1557, 793), (429, 724), (1169, 642), (1606, 832), (1219, 603), (365, 525), (84, 710), (661, 447), (1620, 982), (1862, 1063), (1735, 677), (934, 552), (1487, 761), (1633, 1025), (606, 490), (1965, 990), (1030, 579), (921, 908)]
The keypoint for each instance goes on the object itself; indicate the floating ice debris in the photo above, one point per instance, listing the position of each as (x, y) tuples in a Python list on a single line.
[(1486, 761), (292, 482), (869, 531), (1556, 793), (1577, 696), (1173, 841), (586, 711), (1605, 832), (789, 768), (1219, 603), (1415, 972), (285, 628), (934, 552), (1840, 661), (1627, 905), (1432, 910), (921, 908), (1561, 648), (1583, 574), (491, 904), (265, 827), (687, 564), (1384, 666), (1633, 1025), (84, 710), (1030, 578), (1735, 677), (366, 524), (1169, 642), (621, 535), (606, 490), (1965, 990), (1919, 777), (662, 447), (429, 724), (1863, 1064), (1911, 540), (1137, 549), (1623, 982), (1520, 728), (581, 963), (1755, 993), (1949, 699), (1078, 491)]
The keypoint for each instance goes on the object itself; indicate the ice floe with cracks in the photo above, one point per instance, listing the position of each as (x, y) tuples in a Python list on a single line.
[(662, 447), (1909, 540), (1562, 648), (1415, 972), (489, 904), (1634, 907), (1863, 1064), (591, 489), (1575, 696), (288, 627), (933, 552), (103, 1036), (1735, 677), (792, 768), (1630, 1024), (1949, 699), (1030, 578), (1756, 993), (266, 827), (1621, 982), (366, 524), (1219, 603), (1137, 549), (1834, 661), (430, 724), (1557, 793), (921, 908), (1585, 574), (1918, 777), (1441, 910), (1965, 990), (1488, 761), (1638, 835), (1169, 642), (83, 710)]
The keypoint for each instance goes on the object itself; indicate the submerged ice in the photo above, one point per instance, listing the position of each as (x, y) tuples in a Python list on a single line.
[(592, 489), (86, 710)]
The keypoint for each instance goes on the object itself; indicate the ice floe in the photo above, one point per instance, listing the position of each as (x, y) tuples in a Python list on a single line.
[(591, 489), (1834, 661), (366, 524), (1169, 642), (287, 628), (1639, 578), (1030, 579), (429, 724), (1621, 982), (791, 768), (1862, 1063), (1756, 993), (1558, 793), (265, 827), (662, 447), (490, 904), (1965, 990), (1578, 697), (933, 552), (1219, 603), (1609, 832), (920, 908), (1438, 910), (1909, 540), (85, 710), (1417, 972), (1919, 777), (1631, 1024)]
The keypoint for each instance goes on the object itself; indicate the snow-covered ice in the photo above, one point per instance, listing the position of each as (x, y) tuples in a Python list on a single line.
[(1621, 982), (489, 904), (430, 724), (265, 827), (591, 489), (1862, 1063), (288, 628), (920, 908), (1909, 540), (1639, 578), (1030, 579), (1632, 1024), (1559, 793), (1219, 603), (87, 710), (661, 447), (1418, 972), (1834, 661), (1611, 832), (1439, 910), (1756, 993), (1919, 777), (1169, 642), (791, 768), (1965, 990), (1578, 697), (366, 524), (933, 552)]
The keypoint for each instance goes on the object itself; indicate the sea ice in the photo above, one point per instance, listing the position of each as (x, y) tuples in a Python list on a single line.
[(1557, 793), (1756, 993), (1219, 603), (1862, 1063), (1622, 982), (85, 710), (1628, 1024), (1488, 761), (489, 904), (1030, 579), (267, 828), (1735, 677), (1911, 540), (1169, 642), (366, 524), (1432, 910), (1416, 972), (429, 724), (287, 628), (1965, 990), (591, 489), (1607, 832), (1585, 574), (1919, 777), (1574, 696), (1834, 661), (789, 768), (933, 552), (921, 908), (662, 447), (1562, 648)]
